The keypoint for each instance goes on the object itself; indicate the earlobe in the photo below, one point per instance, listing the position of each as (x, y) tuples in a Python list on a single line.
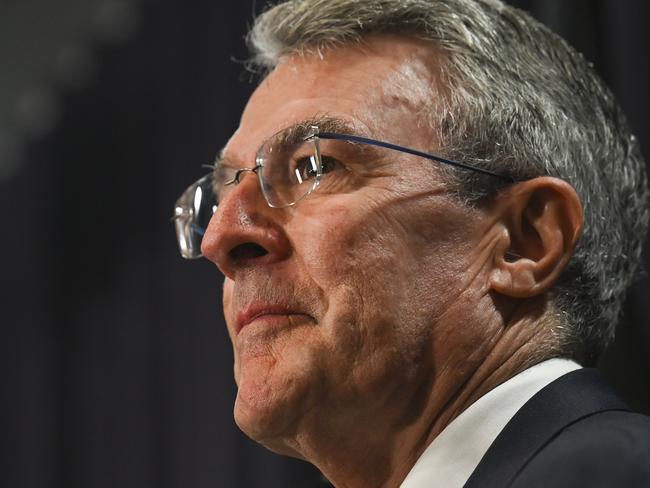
[(541, 222)]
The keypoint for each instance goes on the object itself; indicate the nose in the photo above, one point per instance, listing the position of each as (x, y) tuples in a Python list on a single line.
[(245, 231)]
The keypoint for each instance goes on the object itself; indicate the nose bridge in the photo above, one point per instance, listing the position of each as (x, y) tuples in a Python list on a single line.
[(239, 188), (244, 202), (238, 175)]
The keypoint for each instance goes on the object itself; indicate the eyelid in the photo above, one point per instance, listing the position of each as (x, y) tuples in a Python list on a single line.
[(348, 152)]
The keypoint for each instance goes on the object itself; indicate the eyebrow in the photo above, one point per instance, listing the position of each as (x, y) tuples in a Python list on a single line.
[(301, 130)]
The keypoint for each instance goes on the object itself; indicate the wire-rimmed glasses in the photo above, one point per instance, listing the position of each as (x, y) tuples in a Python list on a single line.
[(289, 166)]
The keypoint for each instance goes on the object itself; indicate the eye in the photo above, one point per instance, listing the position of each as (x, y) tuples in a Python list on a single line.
[(306, 168), (329, 164)]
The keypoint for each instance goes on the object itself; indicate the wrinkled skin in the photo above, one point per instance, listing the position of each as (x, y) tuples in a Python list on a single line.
[(386, 286)]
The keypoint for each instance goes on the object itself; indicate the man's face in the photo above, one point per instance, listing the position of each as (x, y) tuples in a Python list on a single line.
[(352, 303)]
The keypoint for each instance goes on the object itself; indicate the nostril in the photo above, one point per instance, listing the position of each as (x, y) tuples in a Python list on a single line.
[(246, 251)]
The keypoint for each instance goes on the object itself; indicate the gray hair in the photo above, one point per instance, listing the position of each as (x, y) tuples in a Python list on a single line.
[(522, 102)]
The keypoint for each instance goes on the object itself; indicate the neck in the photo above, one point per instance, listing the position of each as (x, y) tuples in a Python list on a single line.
[(379, 448)]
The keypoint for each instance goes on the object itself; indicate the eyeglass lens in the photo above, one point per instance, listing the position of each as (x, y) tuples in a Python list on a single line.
[(192, 214), (287, 171)]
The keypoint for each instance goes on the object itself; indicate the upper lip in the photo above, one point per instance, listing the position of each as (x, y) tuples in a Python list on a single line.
[(256, 310)]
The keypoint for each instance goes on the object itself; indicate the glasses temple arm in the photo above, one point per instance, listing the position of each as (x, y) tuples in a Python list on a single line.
[(415, 152)]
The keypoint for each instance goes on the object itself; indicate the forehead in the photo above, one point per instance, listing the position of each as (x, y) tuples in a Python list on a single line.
[(378, 86)]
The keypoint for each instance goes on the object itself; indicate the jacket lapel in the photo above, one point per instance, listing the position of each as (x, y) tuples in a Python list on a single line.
[(566, 400)]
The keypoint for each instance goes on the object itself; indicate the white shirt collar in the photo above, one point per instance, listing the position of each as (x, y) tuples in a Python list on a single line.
[(452, 456)]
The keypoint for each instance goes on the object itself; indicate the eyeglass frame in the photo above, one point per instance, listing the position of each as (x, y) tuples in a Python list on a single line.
[(315, 136), (373, 142)]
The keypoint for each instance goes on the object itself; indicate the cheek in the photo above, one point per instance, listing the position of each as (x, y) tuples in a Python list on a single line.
[(358, 259), (343, 242), (387, 247), (385, 275)]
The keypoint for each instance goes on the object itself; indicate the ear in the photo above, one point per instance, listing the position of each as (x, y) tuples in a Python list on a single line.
[(542, 220)]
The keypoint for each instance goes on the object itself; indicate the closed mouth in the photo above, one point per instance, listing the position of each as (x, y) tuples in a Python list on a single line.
[(256, 312)]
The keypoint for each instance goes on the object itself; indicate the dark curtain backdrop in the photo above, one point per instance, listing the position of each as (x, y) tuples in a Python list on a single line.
[(117, 370)]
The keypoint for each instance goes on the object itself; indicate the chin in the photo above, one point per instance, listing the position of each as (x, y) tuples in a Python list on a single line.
[(269, 423), (268, 404)]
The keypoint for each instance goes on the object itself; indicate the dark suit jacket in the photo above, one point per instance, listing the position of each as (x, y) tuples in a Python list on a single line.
[(573, 433)]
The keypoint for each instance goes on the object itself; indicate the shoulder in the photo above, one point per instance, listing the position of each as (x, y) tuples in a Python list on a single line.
[(606, 449)]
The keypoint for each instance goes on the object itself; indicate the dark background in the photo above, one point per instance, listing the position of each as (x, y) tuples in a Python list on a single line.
[(117, 370)]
